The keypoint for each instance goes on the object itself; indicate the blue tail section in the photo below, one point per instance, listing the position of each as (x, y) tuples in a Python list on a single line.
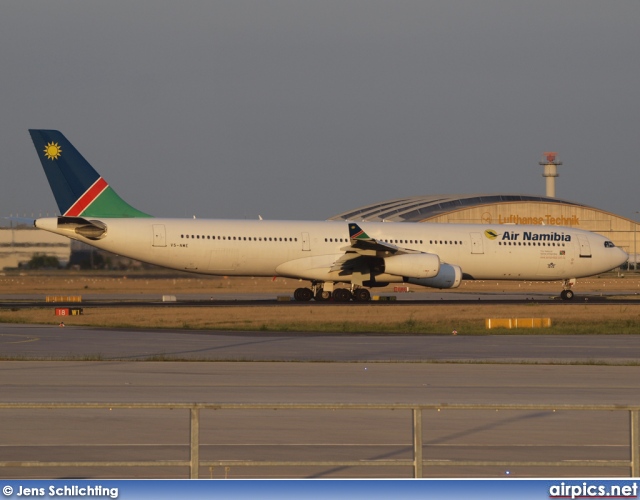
[(356, 233), (77, 187), (69, 174)]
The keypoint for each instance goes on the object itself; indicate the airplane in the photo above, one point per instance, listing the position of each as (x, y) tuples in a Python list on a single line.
[(341, 260)]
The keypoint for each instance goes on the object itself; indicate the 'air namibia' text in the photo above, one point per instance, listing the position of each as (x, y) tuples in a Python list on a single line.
[(530, 236)]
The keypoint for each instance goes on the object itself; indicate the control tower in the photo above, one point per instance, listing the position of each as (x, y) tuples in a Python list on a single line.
[(550, 165)]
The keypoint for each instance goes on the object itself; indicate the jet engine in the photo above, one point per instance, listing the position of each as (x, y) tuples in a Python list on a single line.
[(418, 265), (448, 277)]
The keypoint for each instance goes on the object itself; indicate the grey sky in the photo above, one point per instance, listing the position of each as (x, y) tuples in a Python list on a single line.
[(304, 109)]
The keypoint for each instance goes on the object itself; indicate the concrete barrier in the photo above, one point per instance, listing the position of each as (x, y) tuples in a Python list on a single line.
[(510, 323), (384, 298), (63, 298)]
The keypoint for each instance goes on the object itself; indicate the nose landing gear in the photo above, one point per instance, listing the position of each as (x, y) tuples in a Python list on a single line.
[(567, 293)]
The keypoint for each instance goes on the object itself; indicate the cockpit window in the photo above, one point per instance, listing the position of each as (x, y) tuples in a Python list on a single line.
[(609, 244)]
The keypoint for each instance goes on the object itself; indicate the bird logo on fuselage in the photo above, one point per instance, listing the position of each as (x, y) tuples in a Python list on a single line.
[(491, 234)]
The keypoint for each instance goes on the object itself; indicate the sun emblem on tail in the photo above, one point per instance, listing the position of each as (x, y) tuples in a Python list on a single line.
[(52, 151)]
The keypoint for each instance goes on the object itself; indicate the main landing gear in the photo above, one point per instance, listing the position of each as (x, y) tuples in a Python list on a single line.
[(321, 293), (303, 294), (567, 293)]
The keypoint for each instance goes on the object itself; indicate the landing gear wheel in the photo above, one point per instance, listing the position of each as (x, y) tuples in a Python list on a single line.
[(322, 296), (362, 295), (566, 294), (341, 295), (302, 294)]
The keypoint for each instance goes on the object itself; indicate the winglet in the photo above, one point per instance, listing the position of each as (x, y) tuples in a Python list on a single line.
[(78, 189), (356, 233)]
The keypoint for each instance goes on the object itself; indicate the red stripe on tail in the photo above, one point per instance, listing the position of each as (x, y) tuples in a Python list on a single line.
[(87, 198)]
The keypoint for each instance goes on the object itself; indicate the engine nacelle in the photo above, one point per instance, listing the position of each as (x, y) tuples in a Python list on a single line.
[(415, 265), (448, 277)]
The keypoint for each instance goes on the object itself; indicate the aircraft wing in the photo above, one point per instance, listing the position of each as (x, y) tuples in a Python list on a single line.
[(348, 262), (363, 244), (363, 249)]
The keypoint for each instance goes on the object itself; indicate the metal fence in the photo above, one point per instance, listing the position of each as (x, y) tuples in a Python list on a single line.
[(417, 463)]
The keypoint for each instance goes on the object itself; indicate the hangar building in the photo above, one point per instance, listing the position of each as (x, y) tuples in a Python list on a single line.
[(502, 209), (19, 244)]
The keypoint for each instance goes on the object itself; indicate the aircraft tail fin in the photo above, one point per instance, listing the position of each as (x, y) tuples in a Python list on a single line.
[(78, 189), (356, 233)]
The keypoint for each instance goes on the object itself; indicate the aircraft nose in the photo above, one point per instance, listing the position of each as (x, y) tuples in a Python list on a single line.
[(622, 256)]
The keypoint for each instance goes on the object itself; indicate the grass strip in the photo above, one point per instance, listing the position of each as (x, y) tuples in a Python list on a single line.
[(423, 319)]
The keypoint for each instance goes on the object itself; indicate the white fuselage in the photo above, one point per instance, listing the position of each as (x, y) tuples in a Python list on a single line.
[(307, 250)]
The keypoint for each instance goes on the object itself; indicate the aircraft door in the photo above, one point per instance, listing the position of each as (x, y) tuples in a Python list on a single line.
[(159, 236), (476, 243), (585, 248), (306, 243)]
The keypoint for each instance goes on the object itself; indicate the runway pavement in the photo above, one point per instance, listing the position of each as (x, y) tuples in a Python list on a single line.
[(119, 434), (26, 342), (521, 294), (311, 368)]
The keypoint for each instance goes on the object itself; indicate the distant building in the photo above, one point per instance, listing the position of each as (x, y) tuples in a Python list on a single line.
[(19, 244), (85, 256), (501, 209)]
